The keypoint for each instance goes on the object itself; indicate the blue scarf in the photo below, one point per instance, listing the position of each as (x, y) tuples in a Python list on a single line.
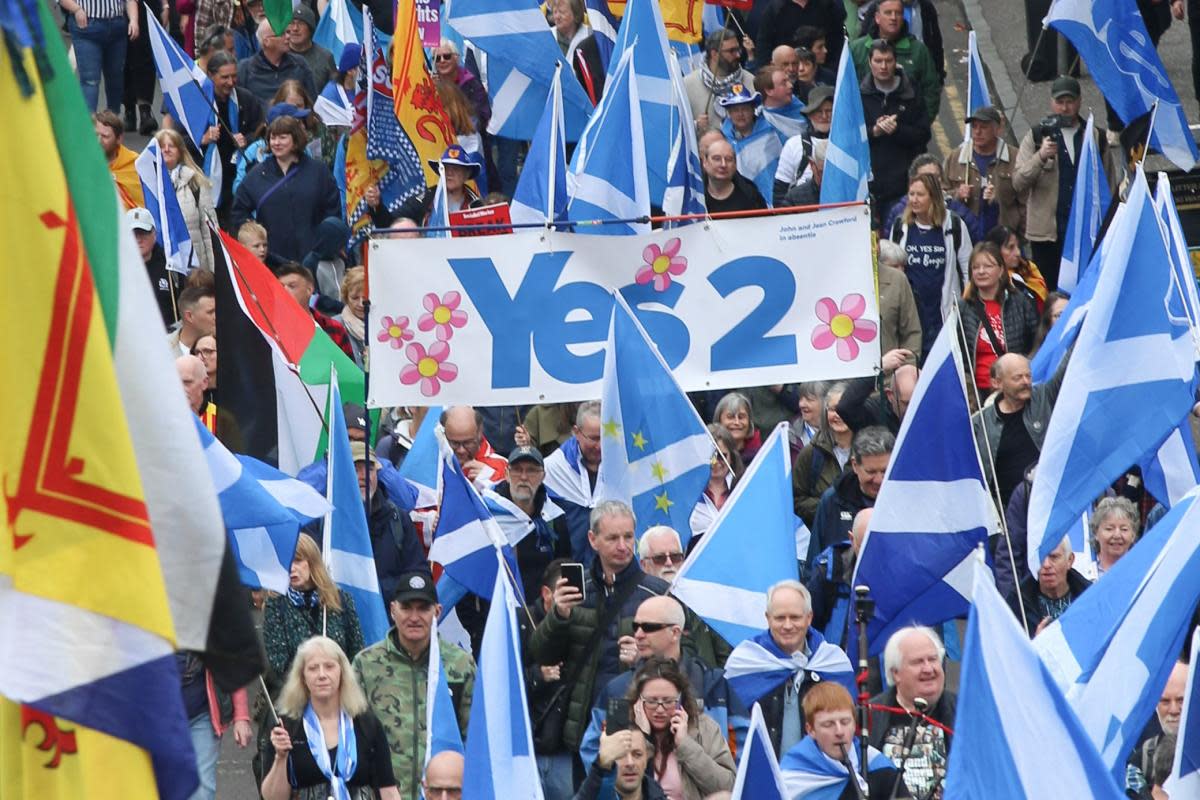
[(757, 666), (347, 751), (300, 599), (810, 774)]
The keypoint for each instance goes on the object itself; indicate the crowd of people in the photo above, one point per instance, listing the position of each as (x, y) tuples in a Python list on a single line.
[(630, 693)]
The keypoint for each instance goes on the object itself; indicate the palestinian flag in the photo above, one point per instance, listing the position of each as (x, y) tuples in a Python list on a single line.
[(113, 554), (274, 367)]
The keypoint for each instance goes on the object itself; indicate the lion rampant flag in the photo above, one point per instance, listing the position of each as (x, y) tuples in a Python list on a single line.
[(91, 609), (418, 106), (681, 18)]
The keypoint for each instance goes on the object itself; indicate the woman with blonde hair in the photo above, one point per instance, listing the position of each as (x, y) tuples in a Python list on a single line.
[(997, 318), (194, 192), (353, 312), (327, 742)]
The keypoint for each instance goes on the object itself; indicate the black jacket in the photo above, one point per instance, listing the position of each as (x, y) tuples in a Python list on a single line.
[(546, 542), (835, 514), (394, 543), (594, 783), (931, 32), (1020, 324), (891, 154), (941, 711), (861, 407), (291, 210), (1076, 583), (781, 19)]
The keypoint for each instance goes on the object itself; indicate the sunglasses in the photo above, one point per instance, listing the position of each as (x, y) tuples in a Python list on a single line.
[(444, 57), (661, 559), (651, 627)]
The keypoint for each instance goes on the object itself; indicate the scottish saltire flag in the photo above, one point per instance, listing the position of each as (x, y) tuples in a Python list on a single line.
[(608, 179), (335, 106), (439, 212), (467, 539), (848, 157), (1135, 320), (1184, 783), (810, 774), (441, 723), (604, 28), (500, 761), (727, 590), (757, 154), (1111, 37), (347, 541), (1111, 652), (339, 26), (541, 195), (977, 88), (1172, 471), (186, 90), (1089, 204), (423, 464), (522, 54), (758, 775), (757, 666), (263, 510), (933, 509), (163, 205), (654, 448), (514, 523), (685, 178), (1015, 735)]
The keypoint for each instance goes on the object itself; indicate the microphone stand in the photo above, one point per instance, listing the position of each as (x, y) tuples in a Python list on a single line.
[(858, 790), (910, 736), (864, 610)]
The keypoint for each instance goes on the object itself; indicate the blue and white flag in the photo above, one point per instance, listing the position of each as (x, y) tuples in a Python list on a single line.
[(1184, 782), (163, 205), (335, 106), (608, 180), (541, 194), (522, 54), (263, 510), (977, 88), (1173, 470), (757, 666), (655, 450), (848, 157), (422, 466), (1111, 37), (387, 141), (1132, 322), (338, 27), (1089, 204), (789, 120), (604, 29), (467, 538), (685, 177), (933, 509), (758, 774), (500, 761), (514, 523), (717, 581), (439, 213), (1015, 735), (186, 90), (757, 154), (347, 540), (1112, 650), (441, 723), (811, 774)]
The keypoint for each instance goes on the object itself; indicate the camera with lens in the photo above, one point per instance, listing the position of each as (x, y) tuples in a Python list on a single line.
[(1048, 126)]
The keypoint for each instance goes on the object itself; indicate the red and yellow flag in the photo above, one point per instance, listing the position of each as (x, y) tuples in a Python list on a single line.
[(681, 18), (418, 107)]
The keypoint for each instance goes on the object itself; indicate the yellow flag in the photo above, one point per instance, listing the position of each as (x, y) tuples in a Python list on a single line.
[(418, 107), (681, 18)]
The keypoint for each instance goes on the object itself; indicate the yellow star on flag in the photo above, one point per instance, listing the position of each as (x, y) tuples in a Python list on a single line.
[(659, 471), (639, 441), (662, 502), (611, 427)]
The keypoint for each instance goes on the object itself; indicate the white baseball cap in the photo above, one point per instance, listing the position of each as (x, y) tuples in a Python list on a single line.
[(139, 219)]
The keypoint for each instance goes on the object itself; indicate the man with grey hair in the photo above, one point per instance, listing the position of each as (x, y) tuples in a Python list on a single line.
[(776, 667), (660, 552), (572, 476), (582, 630), (913, 661), (264, 72), (1049, 593), (855, 490)]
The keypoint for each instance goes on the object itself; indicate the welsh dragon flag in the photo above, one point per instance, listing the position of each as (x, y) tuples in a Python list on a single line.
[(273, 372)]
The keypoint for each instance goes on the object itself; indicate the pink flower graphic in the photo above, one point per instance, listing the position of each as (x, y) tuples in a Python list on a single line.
[(429, 368), (843, 326), (660, 265), (443, 314), (395, 330)]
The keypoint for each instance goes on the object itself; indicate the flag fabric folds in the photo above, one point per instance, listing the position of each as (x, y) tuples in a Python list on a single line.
[(810, 774), (334, 106), (541, 194), (422, 128), (1089, 205), (263, 511), (163, 205), (1131, 370), (340, 25), (848, 157), (608, 179), (977, 88), (758, 775), (727, 590), (757, 154), (441, 723), (1112, 650), (604, 27), (347, 541), (1184, 782), (757, 666), (655, 450), (500, 760), (187, 92), (1015, 736), (279, 13), (1111, 37), (422, 467), (934, 508), (522, 54)]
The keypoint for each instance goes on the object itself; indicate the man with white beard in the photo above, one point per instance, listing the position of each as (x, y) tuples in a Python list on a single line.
[(548, 539)]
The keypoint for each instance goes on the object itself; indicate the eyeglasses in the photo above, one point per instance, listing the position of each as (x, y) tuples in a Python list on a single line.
[(651, 627), (207, 351), (660, 702), (463, 444), (662, 558), (442, 792)]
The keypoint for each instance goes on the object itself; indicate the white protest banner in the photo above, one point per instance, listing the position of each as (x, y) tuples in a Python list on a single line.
[(523, 318)]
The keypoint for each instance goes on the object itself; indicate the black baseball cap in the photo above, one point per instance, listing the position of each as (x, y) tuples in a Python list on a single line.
[(525, 453), (416, 585), (1065, 85)]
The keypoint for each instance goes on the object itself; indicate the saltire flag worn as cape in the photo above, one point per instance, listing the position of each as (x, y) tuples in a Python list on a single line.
[(113, 543), (276, 350)]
